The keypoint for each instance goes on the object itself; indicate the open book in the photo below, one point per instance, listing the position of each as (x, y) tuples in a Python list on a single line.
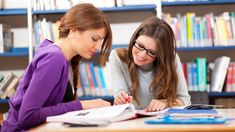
[(103, 115)]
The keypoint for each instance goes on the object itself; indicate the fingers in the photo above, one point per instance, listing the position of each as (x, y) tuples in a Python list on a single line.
[(122, 98), (150, 107), (155, 105)]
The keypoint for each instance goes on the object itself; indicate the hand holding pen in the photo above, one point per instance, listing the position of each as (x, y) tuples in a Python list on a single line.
[(123, 98)]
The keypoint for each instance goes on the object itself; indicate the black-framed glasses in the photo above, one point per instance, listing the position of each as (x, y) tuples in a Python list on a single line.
[(141, 47)]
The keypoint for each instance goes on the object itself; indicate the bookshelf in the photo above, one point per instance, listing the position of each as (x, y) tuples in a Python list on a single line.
[(188, 54), (132, 14), (17, 19)]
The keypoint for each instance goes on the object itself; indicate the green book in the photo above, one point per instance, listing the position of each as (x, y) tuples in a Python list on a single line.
[(201, 74)]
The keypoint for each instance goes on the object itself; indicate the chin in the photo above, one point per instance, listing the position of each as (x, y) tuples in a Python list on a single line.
[(87, 56), (139, 63)]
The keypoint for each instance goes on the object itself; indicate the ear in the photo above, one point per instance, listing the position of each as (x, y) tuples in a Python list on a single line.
[(73, 33)]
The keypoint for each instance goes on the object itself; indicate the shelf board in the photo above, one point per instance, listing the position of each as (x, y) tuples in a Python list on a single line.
[(88, 97), (130, 8), (16, 52), (211, 94), (11, 12), (206, 48), (221, 94), (201, 2), (4, 100), (184, 49), (105, 9)]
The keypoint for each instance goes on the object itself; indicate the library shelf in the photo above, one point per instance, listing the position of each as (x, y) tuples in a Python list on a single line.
[(16, 52), (12, 12), (198, 2), (105, 9)]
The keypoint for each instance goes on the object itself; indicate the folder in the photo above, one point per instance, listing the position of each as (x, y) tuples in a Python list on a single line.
[(170, 120)]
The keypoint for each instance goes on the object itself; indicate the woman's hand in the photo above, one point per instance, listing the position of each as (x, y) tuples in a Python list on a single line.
[(123, 98), (94, 103), (156, 105)]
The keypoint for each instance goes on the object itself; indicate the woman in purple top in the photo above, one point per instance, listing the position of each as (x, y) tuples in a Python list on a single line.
[(83, 30)]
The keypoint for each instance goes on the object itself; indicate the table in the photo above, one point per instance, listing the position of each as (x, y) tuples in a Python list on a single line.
[(138, 125)]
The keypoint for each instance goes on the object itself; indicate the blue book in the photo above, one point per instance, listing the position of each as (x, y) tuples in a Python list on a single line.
[(169, 120), (191, 111)]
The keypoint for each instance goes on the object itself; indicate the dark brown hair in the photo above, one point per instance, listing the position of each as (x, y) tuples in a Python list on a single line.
[(83, 17), (165, 78)]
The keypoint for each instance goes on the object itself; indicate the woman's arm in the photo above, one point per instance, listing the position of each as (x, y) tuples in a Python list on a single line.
[(119, 83), (45, 78)]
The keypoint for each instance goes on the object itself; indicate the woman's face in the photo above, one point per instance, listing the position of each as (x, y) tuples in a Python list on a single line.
[(86, 43), (144, 50)]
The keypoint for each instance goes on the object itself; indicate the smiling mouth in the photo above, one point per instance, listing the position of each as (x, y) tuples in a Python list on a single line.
[(92, 52), (140, 59)]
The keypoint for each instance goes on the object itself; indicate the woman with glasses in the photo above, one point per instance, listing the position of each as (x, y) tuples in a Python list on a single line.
[(149, 73)]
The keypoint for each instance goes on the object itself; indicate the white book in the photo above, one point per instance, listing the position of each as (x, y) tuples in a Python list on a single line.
[(138, 2), (12, 4), (219, 73), (97, 117)]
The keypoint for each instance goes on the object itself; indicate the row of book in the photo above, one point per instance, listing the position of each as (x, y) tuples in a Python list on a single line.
[(205, 31), (94, 80), (209, 30), (212, 77), (6, 38), (45, 29), (8, 85), (66, 4)]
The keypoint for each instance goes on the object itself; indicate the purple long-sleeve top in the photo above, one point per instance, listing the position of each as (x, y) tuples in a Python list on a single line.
[(40, 91)]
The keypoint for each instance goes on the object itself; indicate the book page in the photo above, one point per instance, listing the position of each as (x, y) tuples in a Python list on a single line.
[(102, 115)]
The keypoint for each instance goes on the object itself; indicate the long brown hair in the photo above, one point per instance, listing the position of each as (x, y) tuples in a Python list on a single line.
[(165, 80), (83, 17)]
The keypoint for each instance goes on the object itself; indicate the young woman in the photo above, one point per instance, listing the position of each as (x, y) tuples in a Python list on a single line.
[(149, 72), (83, 30)]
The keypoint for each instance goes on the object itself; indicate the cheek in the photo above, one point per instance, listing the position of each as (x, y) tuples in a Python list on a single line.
[(134, 51)]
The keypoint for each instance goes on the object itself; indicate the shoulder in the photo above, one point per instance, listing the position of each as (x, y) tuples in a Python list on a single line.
[(119, 53), (114, 56), (177, 59), (50, 54)]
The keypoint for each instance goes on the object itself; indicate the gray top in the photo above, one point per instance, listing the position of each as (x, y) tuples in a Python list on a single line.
[(121, 81)]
